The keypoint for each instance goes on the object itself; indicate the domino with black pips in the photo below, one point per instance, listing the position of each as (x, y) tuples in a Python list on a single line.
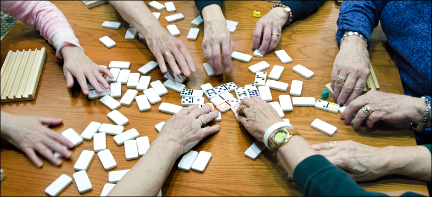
[(131, 149), (127, 135), (84, 160), (118, 118), (188, 101), (208, 90), (191, 93), (128, 97)]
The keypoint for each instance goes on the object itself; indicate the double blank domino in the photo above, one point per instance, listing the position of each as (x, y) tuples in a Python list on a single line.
[(231, 23), (123, 76), (143, 83), (241, 57), (118, 118), (127, 135), (119, 64), (99, 142), (231, 29), (159, 126), (115, 72), (107, 188), (58, 185), (303, 101), (84, 160), (107, 159), (142, 102), (156, 5), (296, 87), (110, 102), (115, 176), (131, 33), (169, 108), (285, 103), (128, 97), (143, 144), (324, 127), (157, 15), (193, 34), (170, 7), (111, 25), (72, 136), (278, 108), (175, 17), (131, 149), (174, 86), (201, 161), (152, 96), (283, 56), (148, 67), (115, 90), (209, 70), (133, 80), (197, 21), (91, 129), (277, 85), (173, 30), (111, 129), (276, 72), (258, 67), (265, 93), (107, 41), (303, 71), (254, 150), (159, 87), (187, 160), (82, 181)]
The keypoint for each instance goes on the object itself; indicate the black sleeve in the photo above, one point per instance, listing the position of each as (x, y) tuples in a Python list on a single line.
[(302, 9), (200, 4)]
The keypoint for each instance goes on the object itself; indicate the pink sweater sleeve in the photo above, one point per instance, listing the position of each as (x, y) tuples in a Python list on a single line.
[(45, 17)]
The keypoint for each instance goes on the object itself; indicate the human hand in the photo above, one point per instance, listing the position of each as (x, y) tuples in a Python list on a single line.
[(217, 38), (384, 106), (30, 134), (352, 65), (77, 64), (257, 116), (184, 128), (265, 27), (165, 46)]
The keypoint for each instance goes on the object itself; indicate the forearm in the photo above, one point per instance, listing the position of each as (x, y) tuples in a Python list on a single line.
[(411, 161), (149, 173)]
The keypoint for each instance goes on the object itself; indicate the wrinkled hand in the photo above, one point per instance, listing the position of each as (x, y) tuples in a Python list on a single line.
[(30, 134), (361, 162), (77, 64), (352, 65), (164, 46), (257, 116), (270, 23), (384, 106), (184, 128)]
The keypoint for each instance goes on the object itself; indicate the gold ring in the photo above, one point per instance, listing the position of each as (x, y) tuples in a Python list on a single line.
[(203, 122), (241, 108), (331, 143), (366, 109), (339, 79), (277, 34), (167, 53)]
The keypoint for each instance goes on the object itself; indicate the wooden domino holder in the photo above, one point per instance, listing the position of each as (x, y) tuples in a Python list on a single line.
[(372, 82)]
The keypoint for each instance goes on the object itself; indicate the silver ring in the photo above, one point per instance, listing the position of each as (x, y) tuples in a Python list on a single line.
[(339, 79), (203, 122), (331, 143), (366, 109), (167, 53), (277, 34)]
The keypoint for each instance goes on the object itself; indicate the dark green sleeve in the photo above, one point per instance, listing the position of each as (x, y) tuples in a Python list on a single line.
[(316, 176), (428, 183), (302, 9), (200, 4)]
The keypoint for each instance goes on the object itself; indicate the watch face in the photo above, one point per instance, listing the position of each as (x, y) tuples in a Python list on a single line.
[(280, 136)]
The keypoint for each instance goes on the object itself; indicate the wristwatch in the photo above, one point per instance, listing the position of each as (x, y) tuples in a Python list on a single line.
[(281, 136)]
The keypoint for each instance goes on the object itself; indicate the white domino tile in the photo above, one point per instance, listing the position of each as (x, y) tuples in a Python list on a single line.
[(177, 78), (174, 86), (303, 101), (170, 7), (296, 88), (59, 155), (187, 160), (131, 33), (156, 5), (260, 78), (99, 142), (278, 108), (111, 25), (127, 135), (191, 93), (303, 71), (241, 57), (201, 161), (188, 101), (231, 23), (169, 108), (58, 185), (324, 127), (159, 193), (277, 85), (342, 109), (118, 118), (115, 176), (128, 97), (119, 64), (143, 144), (82, 181), (209, 70), (84, 160), (219, 118), (156, 15), (193, 34), (327, 106), (265, 93), (329, 88), (111, 129), (107, 188), (276, 72), (107, 159), (173, 30), (115, 90), (159, 87), (208, 90), (110, 102), (258, 67), (143, 103), (254, 150), (123, 76), (133, 80), (91, 129), (231, 29), (220, 104), (148, 67), (257, 52), (143, 83), (72, 136), (115, 72), (107, 42), (175, 17), (159, 126), (197, 21), (152, 96), (131, 149), (283, 56), (285, 103)]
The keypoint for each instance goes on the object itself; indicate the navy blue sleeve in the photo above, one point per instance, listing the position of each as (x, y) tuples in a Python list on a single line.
[(200, 4), (302, 9)]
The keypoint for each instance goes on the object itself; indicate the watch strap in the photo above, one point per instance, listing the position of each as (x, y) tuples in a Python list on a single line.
[(273, 128)]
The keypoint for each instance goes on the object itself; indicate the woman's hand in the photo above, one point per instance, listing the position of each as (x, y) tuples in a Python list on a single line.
[(257, 116), (384, 106), (30, 134), (266, 27), (185, 130), (77, 64)]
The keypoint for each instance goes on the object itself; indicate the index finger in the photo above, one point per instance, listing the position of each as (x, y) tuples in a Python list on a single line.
[(347, 89), (247, 101), (353, 107), (188, 57), (257, 32), (226, 52), (266, 40), (161, 61)]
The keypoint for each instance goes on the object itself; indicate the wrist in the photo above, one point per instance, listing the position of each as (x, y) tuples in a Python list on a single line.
[(169, 145), (281, 16), (212, 15), (353, 41), (70, 51)]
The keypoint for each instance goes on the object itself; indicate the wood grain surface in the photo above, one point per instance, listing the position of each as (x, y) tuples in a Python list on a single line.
[(310, 42)]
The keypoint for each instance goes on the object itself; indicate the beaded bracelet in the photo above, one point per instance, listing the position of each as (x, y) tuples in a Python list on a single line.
[(353, 33), (419, 127), (287, 10)]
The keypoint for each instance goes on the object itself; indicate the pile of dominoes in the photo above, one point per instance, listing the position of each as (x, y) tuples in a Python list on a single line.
[(220, 97)]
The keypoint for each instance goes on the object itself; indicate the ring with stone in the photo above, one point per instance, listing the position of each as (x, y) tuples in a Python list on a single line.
[(277, 34), (366, 109), (331, 143), (339, 79), (167, 53)]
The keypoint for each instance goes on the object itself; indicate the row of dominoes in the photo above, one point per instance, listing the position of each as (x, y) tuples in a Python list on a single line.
[(195, 161)]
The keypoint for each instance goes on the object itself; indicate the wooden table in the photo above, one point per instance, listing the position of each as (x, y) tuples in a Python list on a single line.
[(310, 42)]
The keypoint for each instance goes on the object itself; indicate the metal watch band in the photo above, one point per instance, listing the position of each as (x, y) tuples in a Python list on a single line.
[(419, 127), (353, 33)]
